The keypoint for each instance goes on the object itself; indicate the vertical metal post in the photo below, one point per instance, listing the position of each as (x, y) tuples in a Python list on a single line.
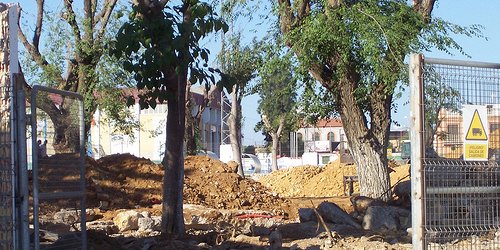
[(34, 153), (22, 166), (22, 213), (416, 130), (83, 155)]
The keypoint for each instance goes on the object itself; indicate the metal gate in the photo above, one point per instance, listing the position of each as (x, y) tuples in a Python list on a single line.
[(58, 150), (13, 204), (455, 112)]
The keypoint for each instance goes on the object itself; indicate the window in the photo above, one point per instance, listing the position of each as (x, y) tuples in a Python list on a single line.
[(331, 136), (453, 133), (316, 136)]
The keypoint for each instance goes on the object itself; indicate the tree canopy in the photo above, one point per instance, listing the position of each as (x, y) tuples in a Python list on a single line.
[(356, 51), (68, 51), (160, 46), (277, 88)]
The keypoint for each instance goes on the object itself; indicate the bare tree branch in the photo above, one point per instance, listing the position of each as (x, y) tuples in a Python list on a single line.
[(286, 16), (305, 8), (88, 24), (107, 10), (33, 51), (70, 17), (93, 4), (98, 17), (163, 3), (38, 28), (424, 7), (280, 126)]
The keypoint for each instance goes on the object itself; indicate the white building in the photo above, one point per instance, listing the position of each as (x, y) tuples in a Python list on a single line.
[(149, 140)]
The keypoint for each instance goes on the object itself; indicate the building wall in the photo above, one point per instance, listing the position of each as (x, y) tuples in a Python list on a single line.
[(149, 140), (308, 133), (448, 141)]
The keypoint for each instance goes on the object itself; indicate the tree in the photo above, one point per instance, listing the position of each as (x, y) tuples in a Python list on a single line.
[(72, 59), (193, 120), (277, 91), (356, 51), (238, 64), (160, 45)]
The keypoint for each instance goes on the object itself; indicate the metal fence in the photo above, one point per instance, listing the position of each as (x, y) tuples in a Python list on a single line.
[(6, 169), (10, 160), (58, 169), (455, 154)]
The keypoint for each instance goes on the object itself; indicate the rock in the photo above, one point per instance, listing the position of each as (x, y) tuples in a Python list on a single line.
[(157, 223), (71, 216), (385, 218), (259, 231), (232, 167), (203, 245), (107, 227), (311, 229), (361, 203), (403, 191), (145, 223), (275, 240), (67, 217), (197, 214), (145, 214), (307, 214), (127, 220), (334, 214)]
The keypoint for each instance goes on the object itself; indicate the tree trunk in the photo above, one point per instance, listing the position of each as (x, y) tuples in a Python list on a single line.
[(173, 180), (63, 113), (190, 137), (274, 152), (235, 128), (368, 146), (193, 121)]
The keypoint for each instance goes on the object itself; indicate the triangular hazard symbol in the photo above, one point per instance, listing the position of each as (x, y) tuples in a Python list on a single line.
[(476, 130)]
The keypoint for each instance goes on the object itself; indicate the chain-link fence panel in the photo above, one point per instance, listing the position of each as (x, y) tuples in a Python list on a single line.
[(58, 169), (6, 168), (459, 149)]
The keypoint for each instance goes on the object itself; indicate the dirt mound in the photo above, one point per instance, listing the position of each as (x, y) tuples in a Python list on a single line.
[(212, 183), (310, 181), (126, 181), (123, 181)]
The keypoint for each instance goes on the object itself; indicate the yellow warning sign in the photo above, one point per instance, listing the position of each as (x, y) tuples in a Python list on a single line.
[(476, 151), (476, 129)]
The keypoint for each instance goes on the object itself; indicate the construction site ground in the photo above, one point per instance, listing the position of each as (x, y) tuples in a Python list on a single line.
[(123, 182)]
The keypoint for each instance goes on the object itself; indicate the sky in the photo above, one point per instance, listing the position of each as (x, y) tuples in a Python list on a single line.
[(462, 12)]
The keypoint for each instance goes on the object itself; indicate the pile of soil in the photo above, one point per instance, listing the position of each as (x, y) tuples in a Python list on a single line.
[(212, 183), (123, 181), (311, 181), (126, 181)]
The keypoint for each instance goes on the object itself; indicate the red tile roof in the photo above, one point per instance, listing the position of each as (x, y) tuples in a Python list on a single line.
[(326, 123)]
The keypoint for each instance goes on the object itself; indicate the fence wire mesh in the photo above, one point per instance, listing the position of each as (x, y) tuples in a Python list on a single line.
[(58, 169), (6, 169), (461, 196)]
